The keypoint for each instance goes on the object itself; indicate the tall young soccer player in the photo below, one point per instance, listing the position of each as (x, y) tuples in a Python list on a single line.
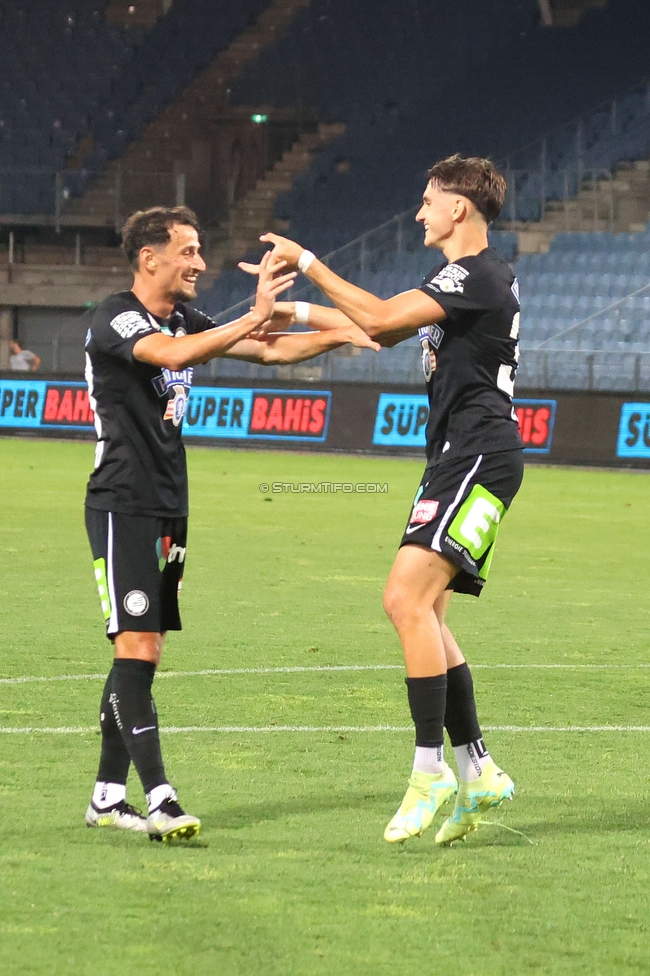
[(466, 314), (141, 346)]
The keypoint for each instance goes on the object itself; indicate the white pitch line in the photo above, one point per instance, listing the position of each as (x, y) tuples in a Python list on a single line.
[(298, 669), (264, 729)]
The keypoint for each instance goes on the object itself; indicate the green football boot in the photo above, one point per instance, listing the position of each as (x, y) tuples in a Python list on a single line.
[(474, 800), (426, 793)]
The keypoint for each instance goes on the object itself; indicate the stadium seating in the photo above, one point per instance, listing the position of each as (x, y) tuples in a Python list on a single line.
[(411, 94), (59, 64), (68, 74), (592, 291)]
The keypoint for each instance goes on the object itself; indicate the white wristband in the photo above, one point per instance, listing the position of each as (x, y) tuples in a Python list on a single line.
[(305, 260), (301, 313)]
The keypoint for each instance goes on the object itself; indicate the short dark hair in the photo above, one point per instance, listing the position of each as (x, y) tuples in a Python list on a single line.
[(151, 228), (474, 178)]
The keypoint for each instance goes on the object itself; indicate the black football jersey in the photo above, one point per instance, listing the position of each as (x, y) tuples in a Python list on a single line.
[(140, 464), (470, 357)]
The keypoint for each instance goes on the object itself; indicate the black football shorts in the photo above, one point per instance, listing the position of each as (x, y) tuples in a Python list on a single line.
[(138, 562), (458, 509)]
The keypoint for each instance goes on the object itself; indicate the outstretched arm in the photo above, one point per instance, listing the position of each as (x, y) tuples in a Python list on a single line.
[(377, 317), (296, 347), (319, 317), (323, 318), (177, 353)]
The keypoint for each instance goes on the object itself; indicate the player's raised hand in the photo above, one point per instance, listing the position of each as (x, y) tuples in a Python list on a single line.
[(284, 249), (271, 283)]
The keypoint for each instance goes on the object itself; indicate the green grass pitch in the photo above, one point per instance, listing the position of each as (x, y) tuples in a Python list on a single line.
[(290, 876)]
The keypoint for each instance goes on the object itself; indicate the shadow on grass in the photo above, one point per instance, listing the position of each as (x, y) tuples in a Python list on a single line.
[(236, 818), (619, 819), (498, 831)]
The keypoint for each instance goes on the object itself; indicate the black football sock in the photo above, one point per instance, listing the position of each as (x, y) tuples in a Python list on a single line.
[(461, 722), (114, 760), (427, 703), (135, 714)]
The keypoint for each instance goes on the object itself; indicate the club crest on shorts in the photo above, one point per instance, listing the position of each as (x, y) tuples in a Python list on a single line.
[(136, 603)]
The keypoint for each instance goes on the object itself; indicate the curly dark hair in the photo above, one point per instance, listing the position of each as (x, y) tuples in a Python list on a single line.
[(151, 228), (474, 178)]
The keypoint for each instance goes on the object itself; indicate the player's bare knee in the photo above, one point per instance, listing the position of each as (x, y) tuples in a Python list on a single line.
[(399, 604), (391, 601)]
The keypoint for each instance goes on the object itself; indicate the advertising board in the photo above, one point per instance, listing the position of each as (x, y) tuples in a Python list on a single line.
[(212, 412)]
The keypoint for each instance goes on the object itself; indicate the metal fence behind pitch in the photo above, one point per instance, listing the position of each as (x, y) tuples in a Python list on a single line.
[(56, 194)]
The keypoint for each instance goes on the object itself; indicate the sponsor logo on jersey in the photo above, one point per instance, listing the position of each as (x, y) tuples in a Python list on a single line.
[(514, 287), (178, 384), (634, 431), (128, 324), (176, 406), (433, 333), (136, 603), (170, 378), (429, 361), (450, 280)]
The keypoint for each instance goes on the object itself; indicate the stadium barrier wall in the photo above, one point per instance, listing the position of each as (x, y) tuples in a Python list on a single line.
[(587, 428)]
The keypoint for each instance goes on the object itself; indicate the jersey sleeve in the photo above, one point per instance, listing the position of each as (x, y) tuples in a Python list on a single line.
[(462, 286), (116, 332), (197, 321)]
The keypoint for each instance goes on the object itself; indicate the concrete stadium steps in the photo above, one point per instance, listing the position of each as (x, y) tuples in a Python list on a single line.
[(59, 285), (49, 275), (205, 100), (620, 204), (254, 212), (567, 13)]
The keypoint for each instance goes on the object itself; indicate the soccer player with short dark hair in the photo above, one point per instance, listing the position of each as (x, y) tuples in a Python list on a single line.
[(141, 347), (466, 314)]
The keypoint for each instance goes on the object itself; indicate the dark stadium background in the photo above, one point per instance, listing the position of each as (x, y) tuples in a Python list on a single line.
[(318, 119)]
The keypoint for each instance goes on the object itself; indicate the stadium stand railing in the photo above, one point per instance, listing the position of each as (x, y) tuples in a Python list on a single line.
[(577, 155), (585, 309), (46, 195)]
